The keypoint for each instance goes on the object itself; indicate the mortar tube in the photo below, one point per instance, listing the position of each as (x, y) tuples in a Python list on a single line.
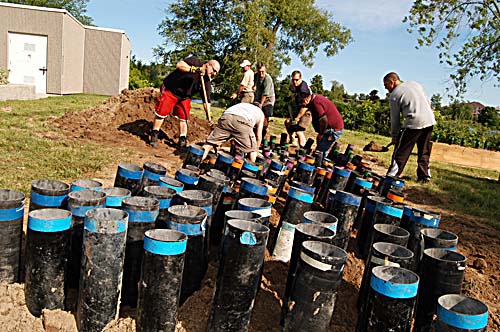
[(227, 202), (252, 167), (390, 182), (115, 196), (320, 218), (314, 289), (47, 247), (169, 182), (318, 178), (215, 186), (252, 188), (152, 174), (161, 280), (187, 177), (438, 238), (12, 204), (442, 272), (129, 176), (79, 203), (303, 186), (193, 168), (395, 196), (223, 162), (390, 233), (194, 155), (257, 205), (165, 196), (365, 230), (143, 212), (47, 194), (388, 212), (345, 208), (235, 214), (361, 185), (381, 254), (338, 181), (239, 275), (82, 184), (190, 220), (304, 172), (349, 187), (297, 203), (418, 220), (323, 189), (203, 199), (361, 211), (104, 241), (461, 314), (391, 300), (303, 232), (235, 169)]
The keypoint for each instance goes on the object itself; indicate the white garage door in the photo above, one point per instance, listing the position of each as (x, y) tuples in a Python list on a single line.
[(28, 60)]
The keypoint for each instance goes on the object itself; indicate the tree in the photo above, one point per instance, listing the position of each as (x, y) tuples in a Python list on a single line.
[(436, 100), (77, 8), (317, 84), (489, 117), (337, 91), (374, 95), (261, 30), (467, 34)]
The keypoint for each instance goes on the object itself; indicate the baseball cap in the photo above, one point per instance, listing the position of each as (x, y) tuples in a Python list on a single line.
[(245, 63)]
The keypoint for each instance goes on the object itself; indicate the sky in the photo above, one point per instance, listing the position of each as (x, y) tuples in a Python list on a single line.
[(381, 45)]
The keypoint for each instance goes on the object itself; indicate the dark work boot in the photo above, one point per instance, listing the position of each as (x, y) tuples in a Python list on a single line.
[(182, 144), (153, 141)]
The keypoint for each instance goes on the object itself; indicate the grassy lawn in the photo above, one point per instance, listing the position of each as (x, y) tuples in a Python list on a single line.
[(27, 154)]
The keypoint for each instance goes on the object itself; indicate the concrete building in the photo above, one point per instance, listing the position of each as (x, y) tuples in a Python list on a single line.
[(53, 51)]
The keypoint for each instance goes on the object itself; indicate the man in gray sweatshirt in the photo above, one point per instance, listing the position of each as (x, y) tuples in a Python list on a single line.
[(409, 99)]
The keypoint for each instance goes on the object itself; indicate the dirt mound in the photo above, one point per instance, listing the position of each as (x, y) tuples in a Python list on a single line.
[(128, 114)]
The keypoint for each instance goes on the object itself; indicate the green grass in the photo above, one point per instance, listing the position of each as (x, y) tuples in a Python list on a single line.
[(28, 155)]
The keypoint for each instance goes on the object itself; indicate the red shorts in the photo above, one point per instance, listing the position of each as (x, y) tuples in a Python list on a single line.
[(167, 102)]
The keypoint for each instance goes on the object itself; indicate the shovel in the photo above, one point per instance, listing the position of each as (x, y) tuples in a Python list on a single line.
[(207, 112), (386, 148)]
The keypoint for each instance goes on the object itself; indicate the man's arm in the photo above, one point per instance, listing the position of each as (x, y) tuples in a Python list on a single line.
[(187, 68), (395, 119)]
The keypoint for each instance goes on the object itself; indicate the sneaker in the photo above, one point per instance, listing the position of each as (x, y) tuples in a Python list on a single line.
[(153, 141), (182, 143), (424, 179)]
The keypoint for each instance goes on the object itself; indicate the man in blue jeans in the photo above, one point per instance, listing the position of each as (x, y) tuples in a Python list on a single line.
[(326, 120)]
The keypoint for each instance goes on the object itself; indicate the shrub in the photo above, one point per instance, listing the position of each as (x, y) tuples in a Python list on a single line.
[(4, 75)]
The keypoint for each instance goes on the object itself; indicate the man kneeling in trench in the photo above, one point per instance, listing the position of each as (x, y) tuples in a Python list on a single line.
[(238, 122)]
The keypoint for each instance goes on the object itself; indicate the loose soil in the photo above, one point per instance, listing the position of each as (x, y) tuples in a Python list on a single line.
[(124, 121)]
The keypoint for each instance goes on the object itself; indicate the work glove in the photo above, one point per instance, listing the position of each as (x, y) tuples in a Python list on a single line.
[(200, 70)]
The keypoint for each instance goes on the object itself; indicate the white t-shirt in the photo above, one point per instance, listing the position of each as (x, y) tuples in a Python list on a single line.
[(247, 111), (247, 81)]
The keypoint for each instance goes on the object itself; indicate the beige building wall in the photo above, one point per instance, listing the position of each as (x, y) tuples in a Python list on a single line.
[(73, 42), (125, 63), (29, 20), (103, 61)]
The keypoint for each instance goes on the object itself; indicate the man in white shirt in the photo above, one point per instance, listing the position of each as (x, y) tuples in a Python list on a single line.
[(409, 99), (242, 122), (245, 90)]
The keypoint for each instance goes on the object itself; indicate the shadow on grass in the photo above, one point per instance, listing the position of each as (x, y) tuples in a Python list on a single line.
[(141, 128)]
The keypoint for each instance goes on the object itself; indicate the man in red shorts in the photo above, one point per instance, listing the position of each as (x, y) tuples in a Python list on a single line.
[(176, 92)]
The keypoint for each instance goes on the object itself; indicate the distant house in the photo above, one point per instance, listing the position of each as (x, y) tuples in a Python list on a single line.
[(52, 50), (476, 108)]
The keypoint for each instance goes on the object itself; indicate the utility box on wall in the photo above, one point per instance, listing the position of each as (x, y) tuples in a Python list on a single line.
[(53, 51)]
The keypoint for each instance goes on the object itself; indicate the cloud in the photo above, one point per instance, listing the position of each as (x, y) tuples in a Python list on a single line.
[(368, 15)]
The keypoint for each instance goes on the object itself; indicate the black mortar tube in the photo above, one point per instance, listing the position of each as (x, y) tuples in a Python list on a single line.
[(129, 176), (46, 194)]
